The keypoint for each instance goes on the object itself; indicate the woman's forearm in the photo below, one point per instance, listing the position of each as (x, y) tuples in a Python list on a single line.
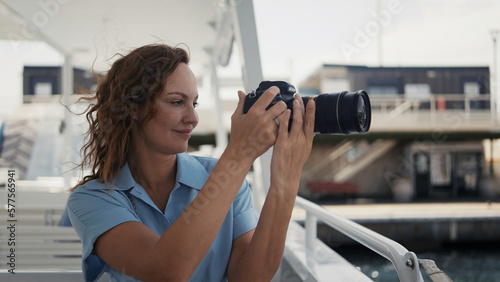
[(265, 251)]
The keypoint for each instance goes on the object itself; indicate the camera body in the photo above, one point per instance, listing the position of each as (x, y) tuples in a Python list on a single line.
[(286, 93), (336, 113)]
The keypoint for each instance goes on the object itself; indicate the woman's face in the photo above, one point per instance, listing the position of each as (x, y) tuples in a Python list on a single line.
[(169, 131)]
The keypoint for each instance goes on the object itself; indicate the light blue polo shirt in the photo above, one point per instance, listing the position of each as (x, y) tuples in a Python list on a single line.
[(93, 211)]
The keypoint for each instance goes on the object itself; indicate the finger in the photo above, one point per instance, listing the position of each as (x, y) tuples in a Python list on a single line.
[(298, 113), (283, 120), (241, 102), (277, 109), (266, 98), (309, 119)]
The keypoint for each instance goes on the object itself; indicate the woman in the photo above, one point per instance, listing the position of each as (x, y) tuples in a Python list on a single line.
[(150, 212)]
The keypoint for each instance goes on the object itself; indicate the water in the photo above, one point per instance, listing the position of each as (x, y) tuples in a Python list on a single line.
[(464, 262)]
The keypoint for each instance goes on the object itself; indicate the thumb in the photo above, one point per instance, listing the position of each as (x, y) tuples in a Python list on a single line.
[(241, 102)]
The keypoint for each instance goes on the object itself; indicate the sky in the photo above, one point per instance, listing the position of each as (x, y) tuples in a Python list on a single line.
[(297, 36), (409, 32)]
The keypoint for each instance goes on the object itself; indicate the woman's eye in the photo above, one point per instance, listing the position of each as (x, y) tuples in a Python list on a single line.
[(181, 102)]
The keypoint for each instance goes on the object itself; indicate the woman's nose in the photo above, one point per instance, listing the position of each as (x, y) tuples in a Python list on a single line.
[(191, 116)]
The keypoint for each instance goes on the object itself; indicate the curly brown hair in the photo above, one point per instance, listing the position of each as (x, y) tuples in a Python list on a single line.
[(133, 82)]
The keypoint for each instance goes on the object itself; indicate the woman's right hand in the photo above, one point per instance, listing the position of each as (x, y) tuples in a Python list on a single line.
[(253, 133), (293, 146)]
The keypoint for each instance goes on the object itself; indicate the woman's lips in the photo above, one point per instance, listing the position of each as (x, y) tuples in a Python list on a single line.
[(186, 132)]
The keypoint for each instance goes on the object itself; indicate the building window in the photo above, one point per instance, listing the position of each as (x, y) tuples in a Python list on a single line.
[(471, 89), (440, 168), (43, 89), (417, 91), (384, 86), (383, 89)]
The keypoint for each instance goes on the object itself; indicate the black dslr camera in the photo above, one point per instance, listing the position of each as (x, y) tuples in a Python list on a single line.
[(336, 113)]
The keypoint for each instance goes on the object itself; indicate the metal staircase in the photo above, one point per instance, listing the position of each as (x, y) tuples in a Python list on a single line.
[(18, 141), (336, 172)]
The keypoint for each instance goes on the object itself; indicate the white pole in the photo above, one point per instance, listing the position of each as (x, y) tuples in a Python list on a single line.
[(67, 91), (245, 34), (220, 133), (311, 226), (380, 39), (494, 101)]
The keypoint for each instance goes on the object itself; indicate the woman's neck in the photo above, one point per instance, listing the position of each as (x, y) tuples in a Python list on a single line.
[(155, 173)]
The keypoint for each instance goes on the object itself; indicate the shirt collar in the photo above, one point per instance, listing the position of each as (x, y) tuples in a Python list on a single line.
[(190, 172), (124, 180)]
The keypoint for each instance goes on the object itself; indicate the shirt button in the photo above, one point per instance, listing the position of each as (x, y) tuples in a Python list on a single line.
[(169, 220)]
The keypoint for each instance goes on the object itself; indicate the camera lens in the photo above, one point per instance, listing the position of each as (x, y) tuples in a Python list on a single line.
[(361, 113), (342, 113)]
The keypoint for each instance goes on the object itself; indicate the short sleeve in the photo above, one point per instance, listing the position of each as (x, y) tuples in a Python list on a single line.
[(245, 217), (93, 212)]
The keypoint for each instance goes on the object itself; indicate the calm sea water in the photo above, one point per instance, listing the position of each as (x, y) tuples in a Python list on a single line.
[(467, 262)]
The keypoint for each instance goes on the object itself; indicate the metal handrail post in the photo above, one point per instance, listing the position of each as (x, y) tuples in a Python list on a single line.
[(432, 106), (405, 262), (467, 107), (311, 227)]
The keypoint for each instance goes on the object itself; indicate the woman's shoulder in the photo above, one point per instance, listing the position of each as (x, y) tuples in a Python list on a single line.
[(94, 185), (95, 188), (95, 193)]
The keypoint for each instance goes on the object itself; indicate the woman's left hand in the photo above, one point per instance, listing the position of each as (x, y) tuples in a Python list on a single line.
[(292, 148)]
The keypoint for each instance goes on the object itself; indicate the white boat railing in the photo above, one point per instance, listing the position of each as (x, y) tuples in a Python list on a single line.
[(405, 262)]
